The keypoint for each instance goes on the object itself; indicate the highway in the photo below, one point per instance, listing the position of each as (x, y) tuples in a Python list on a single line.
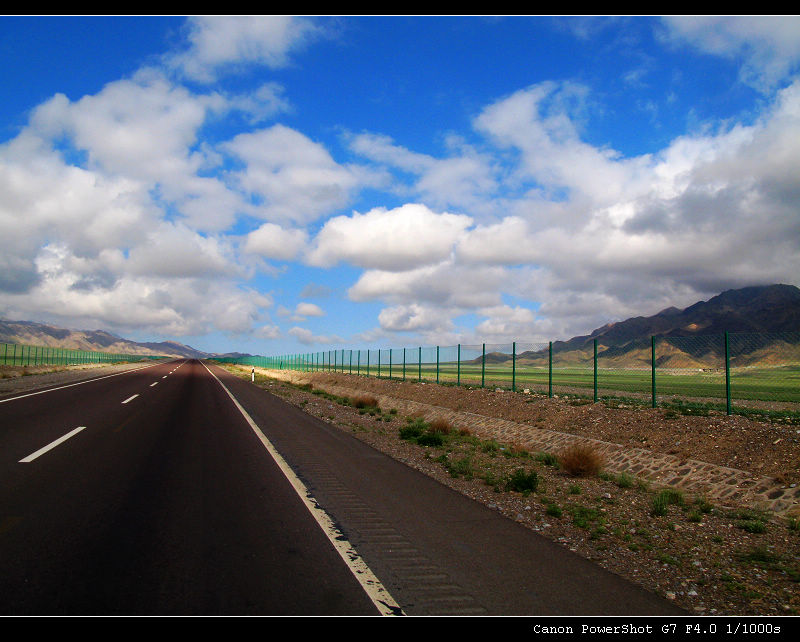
[(179, 489)]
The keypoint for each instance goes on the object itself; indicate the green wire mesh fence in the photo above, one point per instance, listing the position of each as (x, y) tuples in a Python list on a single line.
[(722, 370), (13, 354)]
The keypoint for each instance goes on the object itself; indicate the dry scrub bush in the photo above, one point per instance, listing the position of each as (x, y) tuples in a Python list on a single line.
[(580, 460), (441, 425), (364, 401)]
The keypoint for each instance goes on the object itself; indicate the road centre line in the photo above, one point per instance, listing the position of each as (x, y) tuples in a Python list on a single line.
[(372, 586), (79, 383), (131, 398), (155, 383), (51, 445)]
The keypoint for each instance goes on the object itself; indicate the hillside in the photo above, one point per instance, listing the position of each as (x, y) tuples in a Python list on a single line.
[(39, 334)]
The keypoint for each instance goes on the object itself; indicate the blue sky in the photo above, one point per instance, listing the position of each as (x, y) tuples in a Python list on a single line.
[(274, 184)]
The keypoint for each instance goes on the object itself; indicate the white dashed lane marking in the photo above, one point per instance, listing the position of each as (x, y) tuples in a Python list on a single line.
[(51, 445)]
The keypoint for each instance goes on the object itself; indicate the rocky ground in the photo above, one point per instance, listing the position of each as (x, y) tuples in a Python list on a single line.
[(709, 559)]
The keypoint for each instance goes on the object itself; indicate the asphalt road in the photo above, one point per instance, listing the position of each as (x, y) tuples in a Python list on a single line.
[(163, 499)]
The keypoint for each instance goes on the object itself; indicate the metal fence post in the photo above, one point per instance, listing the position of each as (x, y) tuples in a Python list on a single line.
[(483, 366), (653, 370), (595, 370), (458, 361), (727, 374), (404, 364), (437, 364), (514, 366), (419, 364), (550, 370)]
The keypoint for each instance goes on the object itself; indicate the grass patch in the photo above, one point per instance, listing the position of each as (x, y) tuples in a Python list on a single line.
[(430, 439), (664, 499), (523, 482), (753, 526), (625, 480), (703, 505), (584, 516), (548, 459), (419, 432), (462, 467), (751, 520), (554, 510)]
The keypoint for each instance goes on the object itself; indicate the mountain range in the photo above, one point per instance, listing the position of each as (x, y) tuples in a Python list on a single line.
[(759, 310), (764, 310), (756, 309), (40, 334)]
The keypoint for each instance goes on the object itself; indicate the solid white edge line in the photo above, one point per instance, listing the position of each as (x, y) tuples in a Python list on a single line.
[(131, 398), (51, 445), (378, 593), (79, 383)]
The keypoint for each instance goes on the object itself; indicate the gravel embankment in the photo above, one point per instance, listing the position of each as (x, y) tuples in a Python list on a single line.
[(708, 559)]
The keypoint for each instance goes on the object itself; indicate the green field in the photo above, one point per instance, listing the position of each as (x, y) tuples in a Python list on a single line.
[(761, 384)]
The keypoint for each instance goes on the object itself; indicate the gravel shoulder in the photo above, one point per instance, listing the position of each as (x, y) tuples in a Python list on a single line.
[(711, 560)]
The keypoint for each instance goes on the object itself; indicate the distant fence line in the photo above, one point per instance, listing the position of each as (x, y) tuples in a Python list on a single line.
[(15, 354), (745, 367)]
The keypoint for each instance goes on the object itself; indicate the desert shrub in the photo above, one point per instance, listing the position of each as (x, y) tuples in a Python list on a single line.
[(580, 460), (440, 425), (364, 401)]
